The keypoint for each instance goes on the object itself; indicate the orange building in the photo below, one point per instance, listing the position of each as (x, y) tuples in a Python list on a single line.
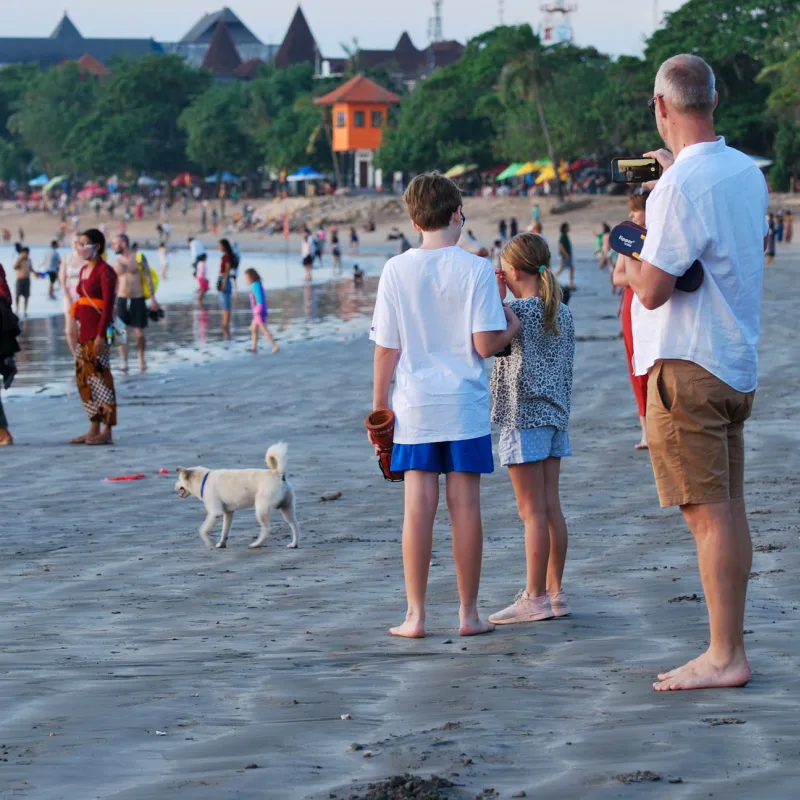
[(359, 112)]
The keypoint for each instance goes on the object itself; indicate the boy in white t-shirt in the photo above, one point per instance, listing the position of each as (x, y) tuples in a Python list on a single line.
[(438, 314)]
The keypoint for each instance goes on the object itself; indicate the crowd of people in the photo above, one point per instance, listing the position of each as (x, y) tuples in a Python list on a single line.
[(440, 312)]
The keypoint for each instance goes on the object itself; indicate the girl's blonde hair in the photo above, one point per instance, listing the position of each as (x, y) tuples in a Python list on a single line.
[(529, 253)]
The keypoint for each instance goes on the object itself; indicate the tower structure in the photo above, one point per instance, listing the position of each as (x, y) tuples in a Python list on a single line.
[(435, 27), (501, 9), (557, 22)]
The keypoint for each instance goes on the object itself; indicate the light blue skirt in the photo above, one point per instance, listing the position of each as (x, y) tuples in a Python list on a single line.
[(528, 445)]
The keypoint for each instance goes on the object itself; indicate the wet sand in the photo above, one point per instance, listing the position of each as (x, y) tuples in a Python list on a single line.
[(120, 624)]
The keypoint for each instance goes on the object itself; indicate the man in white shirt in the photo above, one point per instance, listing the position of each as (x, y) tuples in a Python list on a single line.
[(438, 314), (699, 349)]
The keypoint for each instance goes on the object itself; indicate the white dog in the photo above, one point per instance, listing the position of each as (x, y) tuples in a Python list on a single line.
[(228, 490)]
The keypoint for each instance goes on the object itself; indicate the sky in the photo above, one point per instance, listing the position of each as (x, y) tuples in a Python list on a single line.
[(612, 26)]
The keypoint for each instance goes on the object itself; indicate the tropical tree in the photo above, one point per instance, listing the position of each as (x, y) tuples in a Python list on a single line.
[(525, 79), (133, 126), (217, 138), (53, 103)]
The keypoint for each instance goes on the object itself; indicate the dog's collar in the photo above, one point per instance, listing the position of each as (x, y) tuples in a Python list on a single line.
[(203, 484)]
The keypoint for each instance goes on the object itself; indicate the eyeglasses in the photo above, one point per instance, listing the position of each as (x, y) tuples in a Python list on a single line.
[(651, 103), (463, 219)]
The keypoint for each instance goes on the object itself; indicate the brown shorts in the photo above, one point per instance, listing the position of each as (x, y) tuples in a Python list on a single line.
[(695, 427)]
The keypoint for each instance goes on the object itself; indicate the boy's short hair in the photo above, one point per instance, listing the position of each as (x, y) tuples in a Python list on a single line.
[(432, 200)]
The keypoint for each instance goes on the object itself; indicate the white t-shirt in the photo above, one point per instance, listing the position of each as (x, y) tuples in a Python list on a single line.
[(429, 304), (710, 205), (308, 247), (196, 248)]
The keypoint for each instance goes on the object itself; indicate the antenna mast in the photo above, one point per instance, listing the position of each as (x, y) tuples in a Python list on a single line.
[(557, 25), (502, 11), (435, 28)]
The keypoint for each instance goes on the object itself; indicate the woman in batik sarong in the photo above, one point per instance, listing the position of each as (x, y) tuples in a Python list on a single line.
[(94, 311)]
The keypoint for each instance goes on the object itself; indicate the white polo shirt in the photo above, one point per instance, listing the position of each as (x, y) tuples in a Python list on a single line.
[(429, 304), (710, 205)]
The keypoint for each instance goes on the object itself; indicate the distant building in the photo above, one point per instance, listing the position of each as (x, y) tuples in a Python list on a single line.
[(223, 59), (66, 43), (359, 112), (196, 43)]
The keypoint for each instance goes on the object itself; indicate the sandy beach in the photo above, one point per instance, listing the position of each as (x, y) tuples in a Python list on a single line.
[(120, 626)]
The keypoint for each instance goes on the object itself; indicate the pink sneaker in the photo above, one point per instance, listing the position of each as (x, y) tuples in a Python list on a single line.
[(524, 609), (558, 602)]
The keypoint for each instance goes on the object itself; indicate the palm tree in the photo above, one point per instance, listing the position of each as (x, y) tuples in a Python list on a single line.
[(525, 78)]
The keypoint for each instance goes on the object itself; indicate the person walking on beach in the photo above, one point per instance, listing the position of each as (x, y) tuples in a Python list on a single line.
[(532, 392), (201, 273), (636, 204), (53, 266), (307, 252), (438, 314), (258, 304), (336, 250), (354, 243), (68, 278), (131, 302), (94, 313), (789, 228), (9, 332), (565, 255), (23, 267), (709, 205), (769, 246), (502, 231), (225, 285)]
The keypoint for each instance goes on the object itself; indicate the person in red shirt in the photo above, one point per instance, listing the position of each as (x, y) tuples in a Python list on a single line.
[(94, 311)]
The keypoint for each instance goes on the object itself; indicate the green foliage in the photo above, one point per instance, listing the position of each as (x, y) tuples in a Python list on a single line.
[(217, 137), (134, 125), (53, 103)]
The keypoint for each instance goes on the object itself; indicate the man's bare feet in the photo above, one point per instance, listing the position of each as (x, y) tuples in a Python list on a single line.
[(472, 625), (79, 439), (703, 673), (412, 628)]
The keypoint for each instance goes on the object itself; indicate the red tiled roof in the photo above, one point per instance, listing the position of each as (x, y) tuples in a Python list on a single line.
[(298, 45), (249, 69), (358, 90), (222, 57), (89, 63)]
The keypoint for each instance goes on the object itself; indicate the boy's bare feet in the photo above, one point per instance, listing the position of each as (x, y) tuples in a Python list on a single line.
[(472, 625), (642, 445), (412, 628), (703, 673)]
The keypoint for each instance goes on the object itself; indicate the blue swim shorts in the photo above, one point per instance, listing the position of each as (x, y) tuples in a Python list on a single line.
[(469, 455)]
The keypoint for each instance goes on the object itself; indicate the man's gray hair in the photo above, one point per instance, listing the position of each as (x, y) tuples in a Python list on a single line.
[(688, 83)]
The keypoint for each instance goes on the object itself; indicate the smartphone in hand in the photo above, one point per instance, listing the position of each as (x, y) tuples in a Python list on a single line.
[(635, 170)]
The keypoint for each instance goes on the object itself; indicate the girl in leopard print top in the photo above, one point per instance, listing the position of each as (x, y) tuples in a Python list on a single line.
[(532, 393)]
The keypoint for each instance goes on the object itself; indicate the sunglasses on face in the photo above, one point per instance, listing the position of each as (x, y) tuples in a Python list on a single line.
[(651, 103)]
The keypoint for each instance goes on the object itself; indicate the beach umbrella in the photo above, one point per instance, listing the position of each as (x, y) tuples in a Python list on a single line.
[(305, 174), (41, 180), (53, 182), (549, 174), (459, 170), (92, 190), (226, 178), (581, 163), (761, 162), (494, 171), (527, 169), (146, 180), (35, 196), (510, 171)]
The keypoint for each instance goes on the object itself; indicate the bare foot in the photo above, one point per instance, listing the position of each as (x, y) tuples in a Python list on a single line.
[(642, 446), (124, 367), (142, 367), (703, 673), (79, 439), (103, 438), (252, 349), (275, 348), (412, 628), (473, 625)]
